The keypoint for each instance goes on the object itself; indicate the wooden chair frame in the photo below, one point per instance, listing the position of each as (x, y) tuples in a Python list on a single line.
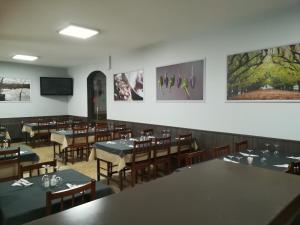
[(80, 190), (221, 151), (184, 145), (38, 166), (80, 148), (10, 160), (239, 146), (162, 145)]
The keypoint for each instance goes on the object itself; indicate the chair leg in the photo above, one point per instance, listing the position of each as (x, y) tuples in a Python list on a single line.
[(98, 170), (73, 157), (121, 179), (133, 177), (54, 151), (66, 156)]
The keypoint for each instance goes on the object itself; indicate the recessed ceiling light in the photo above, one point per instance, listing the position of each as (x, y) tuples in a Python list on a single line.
[(78, 32), (25, 57)]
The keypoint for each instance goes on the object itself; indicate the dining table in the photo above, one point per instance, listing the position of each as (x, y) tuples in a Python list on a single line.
[(64, 137), (32, 128), (211, 193), (27, 156), (20, 204), (119, 152), (263, 158)]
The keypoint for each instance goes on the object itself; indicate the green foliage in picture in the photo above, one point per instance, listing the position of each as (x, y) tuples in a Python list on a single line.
[(268, 74)]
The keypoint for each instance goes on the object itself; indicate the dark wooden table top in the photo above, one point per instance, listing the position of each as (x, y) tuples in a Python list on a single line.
[(210, 193)]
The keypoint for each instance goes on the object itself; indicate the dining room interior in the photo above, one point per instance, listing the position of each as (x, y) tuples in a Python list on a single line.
[(149, 112)]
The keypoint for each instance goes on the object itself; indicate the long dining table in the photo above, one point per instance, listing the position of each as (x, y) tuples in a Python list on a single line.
[(274, 160), (210, 193), (19, 205), (119, 152)]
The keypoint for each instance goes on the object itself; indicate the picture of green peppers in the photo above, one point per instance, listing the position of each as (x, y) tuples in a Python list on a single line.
[(185, 87)]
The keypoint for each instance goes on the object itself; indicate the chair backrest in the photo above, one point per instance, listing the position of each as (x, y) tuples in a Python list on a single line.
[(80, 132), (184, 143), (221, 151), (38, 167), (9, 164), (240, 146), (141, 151), (102, 136), (43, 126), (195, 157), (62, 125), (294, 168), (101, 126), (120, 127), (148, 131), (78, 194), (117, 134), (162, 147)]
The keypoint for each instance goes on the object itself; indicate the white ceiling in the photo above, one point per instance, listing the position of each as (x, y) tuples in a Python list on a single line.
[(30, 26)]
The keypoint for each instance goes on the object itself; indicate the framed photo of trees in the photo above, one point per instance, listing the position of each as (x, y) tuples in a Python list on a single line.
[(271, 74)]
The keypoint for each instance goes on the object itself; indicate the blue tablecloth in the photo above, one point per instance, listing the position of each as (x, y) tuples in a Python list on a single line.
[(122, 147), (19, 205)]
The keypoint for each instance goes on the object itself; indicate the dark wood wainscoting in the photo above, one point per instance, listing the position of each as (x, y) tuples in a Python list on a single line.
[(211, 139)]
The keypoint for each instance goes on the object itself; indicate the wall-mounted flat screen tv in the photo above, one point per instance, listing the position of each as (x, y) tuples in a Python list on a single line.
[(56, 86)]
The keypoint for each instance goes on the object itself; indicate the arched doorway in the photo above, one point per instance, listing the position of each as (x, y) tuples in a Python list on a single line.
[(96, 92)]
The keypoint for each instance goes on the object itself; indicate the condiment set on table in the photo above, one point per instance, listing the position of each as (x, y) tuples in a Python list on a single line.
[(52, 181)]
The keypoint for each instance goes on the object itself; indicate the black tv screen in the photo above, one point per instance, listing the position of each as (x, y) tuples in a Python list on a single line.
[(56, 86)]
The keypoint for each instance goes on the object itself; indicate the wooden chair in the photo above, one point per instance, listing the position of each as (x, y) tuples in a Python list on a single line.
[(148, 131), (240, 146), (141, 160), (184, 145), (104, 168), (195, 157), (71, 196), (79, 144), (9, 164), (60, 125), (102, 136), (221, 151), (38, 167), (294, 168), (117, 129), (43, 131), (101, 126), (161, 155)]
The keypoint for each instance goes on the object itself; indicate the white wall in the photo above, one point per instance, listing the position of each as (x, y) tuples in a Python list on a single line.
[(39, 105), (278, 120)]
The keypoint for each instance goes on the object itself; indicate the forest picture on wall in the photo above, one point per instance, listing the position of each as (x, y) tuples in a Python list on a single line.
[(268, 74), (14, 90)]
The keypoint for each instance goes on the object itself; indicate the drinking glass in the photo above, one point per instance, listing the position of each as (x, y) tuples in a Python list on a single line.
[(276, 152), (238, 158), (267, 147)]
